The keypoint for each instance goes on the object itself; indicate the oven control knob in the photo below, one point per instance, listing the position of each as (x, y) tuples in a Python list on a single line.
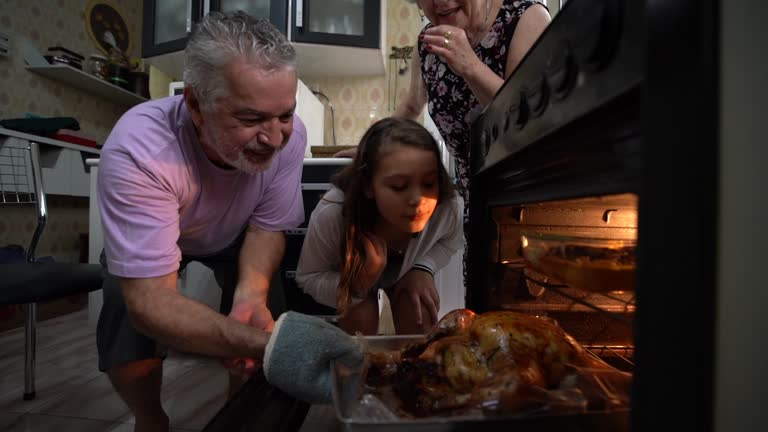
[(517, 113), (485, 141), (536, 94), (597, 37), (561, 71)]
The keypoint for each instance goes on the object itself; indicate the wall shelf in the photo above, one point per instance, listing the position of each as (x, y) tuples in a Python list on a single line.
[(89, 83)]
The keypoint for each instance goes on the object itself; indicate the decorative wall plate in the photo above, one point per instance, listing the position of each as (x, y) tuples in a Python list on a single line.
[(107, 27)]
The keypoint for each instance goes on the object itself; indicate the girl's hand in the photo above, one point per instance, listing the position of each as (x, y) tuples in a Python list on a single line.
[(375, 262), (417, 288), (451, 44)]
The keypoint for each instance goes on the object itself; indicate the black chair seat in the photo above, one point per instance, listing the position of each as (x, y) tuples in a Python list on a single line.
[(22, 283)]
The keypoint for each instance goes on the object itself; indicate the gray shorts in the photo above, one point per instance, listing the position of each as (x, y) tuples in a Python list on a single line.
[(119, 342)]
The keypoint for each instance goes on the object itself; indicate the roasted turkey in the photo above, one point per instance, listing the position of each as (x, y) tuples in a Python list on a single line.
[(497, 361)]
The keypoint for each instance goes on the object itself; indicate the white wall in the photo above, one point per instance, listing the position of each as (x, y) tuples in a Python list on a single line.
[(312, 113)]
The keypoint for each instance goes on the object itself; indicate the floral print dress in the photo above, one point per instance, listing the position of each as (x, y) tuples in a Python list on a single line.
[(452, 105)]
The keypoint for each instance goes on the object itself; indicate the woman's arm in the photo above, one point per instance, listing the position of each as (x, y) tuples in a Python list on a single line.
[(462, 59), (413, 104), (532, 24)]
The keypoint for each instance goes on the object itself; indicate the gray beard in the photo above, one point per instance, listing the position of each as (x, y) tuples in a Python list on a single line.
[(244, 165)]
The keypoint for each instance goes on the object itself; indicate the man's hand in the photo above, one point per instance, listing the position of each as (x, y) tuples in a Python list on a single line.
[(418, 288), (255, 313), (260, 256)]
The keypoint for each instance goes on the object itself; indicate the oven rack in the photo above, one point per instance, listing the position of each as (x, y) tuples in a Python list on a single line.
[(623, 354), (614, 305)]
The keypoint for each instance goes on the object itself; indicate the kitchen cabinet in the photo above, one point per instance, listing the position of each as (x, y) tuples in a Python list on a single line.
[(353, 23), (332, 38), (275, 10), (166, 25), (339, 37)]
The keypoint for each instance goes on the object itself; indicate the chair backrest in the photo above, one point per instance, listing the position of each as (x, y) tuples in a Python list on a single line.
[(21, 182)]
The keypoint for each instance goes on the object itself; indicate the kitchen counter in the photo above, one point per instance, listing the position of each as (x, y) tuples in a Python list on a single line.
[(62, 164), (47, 141)]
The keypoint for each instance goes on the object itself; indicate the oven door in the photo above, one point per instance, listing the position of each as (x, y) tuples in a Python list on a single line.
[(587, 117)]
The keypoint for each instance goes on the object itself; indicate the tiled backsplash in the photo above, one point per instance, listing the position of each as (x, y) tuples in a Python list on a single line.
[(358, 102)]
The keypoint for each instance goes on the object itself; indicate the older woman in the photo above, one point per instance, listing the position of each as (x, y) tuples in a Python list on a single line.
[(466, 52)]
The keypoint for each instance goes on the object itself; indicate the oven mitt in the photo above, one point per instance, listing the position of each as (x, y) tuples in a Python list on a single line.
[(298, 357)]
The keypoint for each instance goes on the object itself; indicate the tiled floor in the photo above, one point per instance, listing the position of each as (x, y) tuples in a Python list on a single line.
[(72, 395)]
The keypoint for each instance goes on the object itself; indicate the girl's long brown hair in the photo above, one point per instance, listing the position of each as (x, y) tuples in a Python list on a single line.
[(359, 211)]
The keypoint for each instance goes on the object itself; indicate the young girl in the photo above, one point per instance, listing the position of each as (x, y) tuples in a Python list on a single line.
[(377, 238)]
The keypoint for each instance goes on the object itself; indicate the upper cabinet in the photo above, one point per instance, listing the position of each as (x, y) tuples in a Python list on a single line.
[(274, 10), (331, 37), (339, 37), (354, 23), (167, 24)]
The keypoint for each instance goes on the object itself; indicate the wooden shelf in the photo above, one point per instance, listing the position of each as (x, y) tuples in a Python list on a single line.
[(89, 83)]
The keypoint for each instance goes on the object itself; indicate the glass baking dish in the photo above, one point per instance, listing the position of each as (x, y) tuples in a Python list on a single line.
[(357, 410), (588, 263)]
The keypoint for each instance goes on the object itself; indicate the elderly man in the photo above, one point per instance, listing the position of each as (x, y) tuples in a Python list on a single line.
[(213, 176)]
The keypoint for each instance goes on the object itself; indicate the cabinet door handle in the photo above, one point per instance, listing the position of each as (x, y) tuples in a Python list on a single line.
[(299, 13), (189, 16)]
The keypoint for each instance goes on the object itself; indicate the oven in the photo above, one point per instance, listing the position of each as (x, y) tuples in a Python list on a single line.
[(594, 196)]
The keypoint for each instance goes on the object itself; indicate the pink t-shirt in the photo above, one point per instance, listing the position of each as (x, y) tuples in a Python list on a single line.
[(160, 196)]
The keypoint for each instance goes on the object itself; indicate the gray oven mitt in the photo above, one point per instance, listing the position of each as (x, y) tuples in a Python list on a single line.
[(298, 357)]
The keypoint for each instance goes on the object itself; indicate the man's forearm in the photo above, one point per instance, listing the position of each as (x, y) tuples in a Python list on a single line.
[(159, 311), (260, 257)]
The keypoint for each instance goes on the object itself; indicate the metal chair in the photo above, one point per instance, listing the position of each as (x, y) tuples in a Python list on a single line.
[(28, 283)]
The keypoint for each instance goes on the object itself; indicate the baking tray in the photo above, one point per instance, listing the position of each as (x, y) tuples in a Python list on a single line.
[(587, 263), (357, 416)]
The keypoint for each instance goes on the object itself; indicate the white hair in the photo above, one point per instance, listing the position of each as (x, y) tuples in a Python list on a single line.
[(221, 38)]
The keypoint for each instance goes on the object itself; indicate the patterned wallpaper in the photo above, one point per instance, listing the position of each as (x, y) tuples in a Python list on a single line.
[(50, 23), (67, 221), (359, 102)]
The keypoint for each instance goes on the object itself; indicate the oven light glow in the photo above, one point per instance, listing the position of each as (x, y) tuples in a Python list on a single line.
[(524, 241)]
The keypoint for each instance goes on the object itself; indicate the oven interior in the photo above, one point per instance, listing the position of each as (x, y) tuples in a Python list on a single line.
[(573, 261)]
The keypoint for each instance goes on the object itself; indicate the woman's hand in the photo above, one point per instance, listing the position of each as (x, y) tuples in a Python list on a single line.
[(452, 45)]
